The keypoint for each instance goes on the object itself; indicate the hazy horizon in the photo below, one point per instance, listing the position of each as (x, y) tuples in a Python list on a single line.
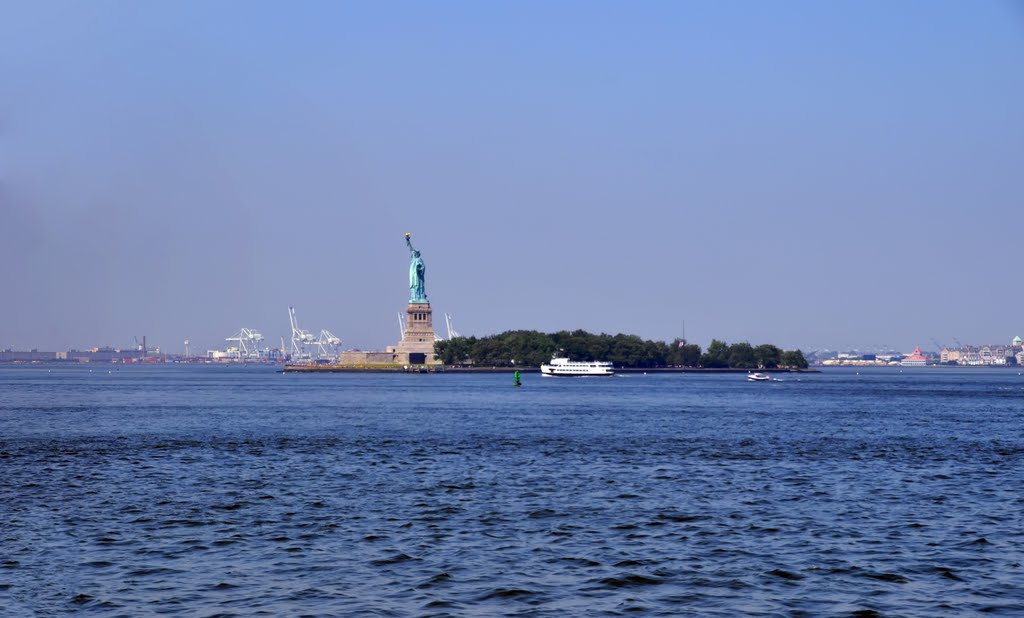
[(807, 174)]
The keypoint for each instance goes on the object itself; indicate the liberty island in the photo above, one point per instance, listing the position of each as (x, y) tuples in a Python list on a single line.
[(421, 350)]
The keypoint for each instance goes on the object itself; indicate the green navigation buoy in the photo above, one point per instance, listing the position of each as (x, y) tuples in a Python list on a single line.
[(517, 382)]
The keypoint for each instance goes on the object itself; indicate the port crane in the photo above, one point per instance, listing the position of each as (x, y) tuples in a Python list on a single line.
[(327, 345), (141, 347), (451, 331), (248, 344), (301, 339)]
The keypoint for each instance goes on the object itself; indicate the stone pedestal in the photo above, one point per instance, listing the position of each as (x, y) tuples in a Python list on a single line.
[(417, 344)]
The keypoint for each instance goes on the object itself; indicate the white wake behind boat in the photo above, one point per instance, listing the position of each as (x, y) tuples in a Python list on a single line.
[(564, 367), (758, 377)]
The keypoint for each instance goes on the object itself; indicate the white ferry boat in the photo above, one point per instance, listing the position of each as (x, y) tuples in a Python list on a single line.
[(565, 367)]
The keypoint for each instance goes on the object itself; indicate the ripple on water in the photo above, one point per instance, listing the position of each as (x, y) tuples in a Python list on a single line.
[(397, 558), (632, 580), (506, 593)]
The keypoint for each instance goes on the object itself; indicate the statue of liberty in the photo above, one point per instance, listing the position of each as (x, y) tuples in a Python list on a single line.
[(417, 274)]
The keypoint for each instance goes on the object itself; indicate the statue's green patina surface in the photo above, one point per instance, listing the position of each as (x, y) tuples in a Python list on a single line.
[(417, 274)]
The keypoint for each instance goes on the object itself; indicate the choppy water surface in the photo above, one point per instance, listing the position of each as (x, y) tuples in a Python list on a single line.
[(241, 491)]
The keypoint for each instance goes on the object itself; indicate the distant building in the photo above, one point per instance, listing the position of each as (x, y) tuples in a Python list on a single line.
[(984, 355), (12, 356), (916, 359), (950, 355), (102, 355)]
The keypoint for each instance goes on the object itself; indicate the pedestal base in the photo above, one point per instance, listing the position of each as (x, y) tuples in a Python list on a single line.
[(417, 344)]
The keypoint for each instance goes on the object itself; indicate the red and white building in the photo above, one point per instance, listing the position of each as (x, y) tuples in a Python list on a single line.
[(916, 359)]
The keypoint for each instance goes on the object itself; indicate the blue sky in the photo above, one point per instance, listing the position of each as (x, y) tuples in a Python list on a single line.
[(811, 174)]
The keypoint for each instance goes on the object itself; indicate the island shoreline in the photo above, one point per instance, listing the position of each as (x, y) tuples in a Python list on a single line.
[(486, 370)]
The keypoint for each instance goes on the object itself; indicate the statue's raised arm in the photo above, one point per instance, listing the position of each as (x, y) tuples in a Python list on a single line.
[(417, 274)]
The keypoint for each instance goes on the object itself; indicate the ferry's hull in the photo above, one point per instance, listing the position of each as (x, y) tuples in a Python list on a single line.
[(553, 374)]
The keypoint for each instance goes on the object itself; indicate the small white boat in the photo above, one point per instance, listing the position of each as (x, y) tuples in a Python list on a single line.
[(567, 368), (758, 377)]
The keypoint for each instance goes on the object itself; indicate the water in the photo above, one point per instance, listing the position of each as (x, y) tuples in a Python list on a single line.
[(241, 491)]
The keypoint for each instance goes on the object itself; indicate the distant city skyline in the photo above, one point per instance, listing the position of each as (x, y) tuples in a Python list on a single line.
[(840, 175), (276, 342)]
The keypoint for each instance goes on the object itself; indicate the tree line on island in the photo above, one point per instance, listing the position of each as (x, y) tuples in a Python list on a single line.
[(532, 348)]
